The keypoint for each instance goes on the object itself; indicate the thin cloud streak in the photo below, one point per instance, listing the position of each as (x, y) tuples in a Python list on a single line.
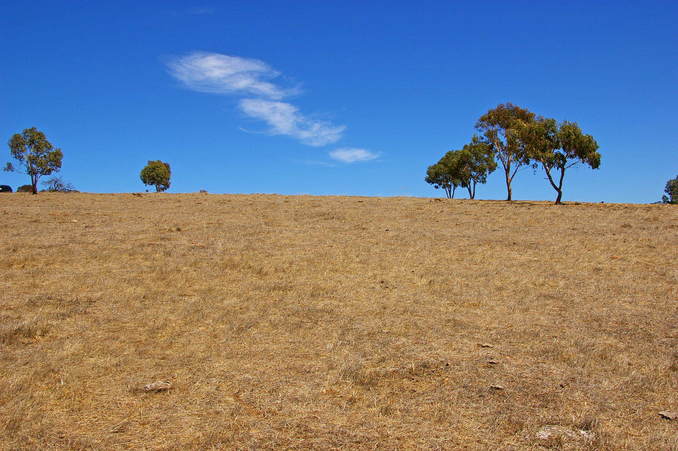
[(222, 74), (217, 73), (285, 119), (352, 155)]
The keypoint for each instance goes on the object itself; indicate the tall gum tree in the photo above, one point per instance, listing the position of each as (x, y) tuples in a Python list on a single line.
[(558, 147), (35, 155), (500, 128)]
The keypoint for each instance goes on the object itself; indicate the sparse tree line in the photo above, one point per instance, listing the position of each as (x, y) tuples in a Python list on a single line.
[(512, 137), (508, 136), (37, 157)]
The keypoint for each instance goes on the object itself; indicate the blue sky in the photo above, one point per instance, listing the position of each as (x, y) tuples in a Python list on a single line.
[(336, 97)]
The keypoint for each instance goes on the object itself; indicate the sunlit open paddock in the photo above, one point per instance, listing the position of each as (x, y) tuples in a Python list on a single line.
[(335, 322)]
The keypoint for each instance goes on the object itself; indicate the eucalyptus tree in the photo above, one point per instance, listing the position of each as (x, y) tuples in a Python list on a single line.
[(500, 128), (474, 162), (156, 173), (35, 155), (671, 190), (466, 168), (557, 147), (440, 175)]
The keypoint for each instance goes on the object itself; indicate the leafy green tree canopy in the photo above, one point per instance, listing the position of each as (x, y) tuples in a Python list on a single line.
[(36, 156), (440, 175), (558, 147), (156, 173), (466, 167), (500, 128), (671, 190), (474, 163)]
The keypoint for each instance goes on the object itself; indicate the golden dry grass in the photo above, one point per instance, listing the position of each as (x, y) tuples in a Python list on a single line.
[(294, 322)]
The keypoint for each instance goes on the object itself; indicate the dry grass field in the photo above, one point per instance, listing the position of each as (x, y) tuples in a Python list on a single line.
[(296, 322)]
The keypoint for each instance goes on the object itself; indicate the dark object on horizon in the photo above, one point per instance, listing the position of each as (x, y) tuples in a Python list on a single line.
[(24, 189), (5, 189)]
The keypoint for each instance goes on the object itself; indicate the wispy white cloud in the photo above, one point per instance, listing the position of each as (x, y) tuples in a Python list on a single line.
[(352, 155), (285, 119), (224, 74)]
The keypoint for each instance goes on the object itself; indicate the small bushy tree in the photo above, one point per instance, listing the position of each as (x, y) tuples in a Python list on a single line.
[(36, 156), (474, 163), (440, 176), (466, 168), (156, 173), (671, 190)]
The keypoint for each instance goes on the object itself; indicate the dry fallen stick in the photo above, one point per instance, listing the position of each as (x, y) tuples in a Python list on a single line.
[(668, 415), (120, 427), (158, 386)]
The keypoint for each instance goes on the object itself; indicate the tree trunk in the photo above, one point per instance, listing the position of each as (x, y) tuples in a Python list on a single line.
[(559, 186), (34, 185), (507, 171)]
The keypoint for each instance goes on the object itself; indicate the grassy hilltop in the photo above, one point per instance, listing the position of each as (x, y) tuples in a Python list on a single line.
[(335, 322)]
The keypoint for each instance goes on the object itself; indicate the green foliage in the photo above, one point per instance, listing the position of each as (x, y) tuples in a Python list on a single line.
[(671, 190), (500, 129), (557, 147), (57, 185), (36, 156), (474, 163), (24, 189), (466, 167), (440, 175), (156, 173)]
